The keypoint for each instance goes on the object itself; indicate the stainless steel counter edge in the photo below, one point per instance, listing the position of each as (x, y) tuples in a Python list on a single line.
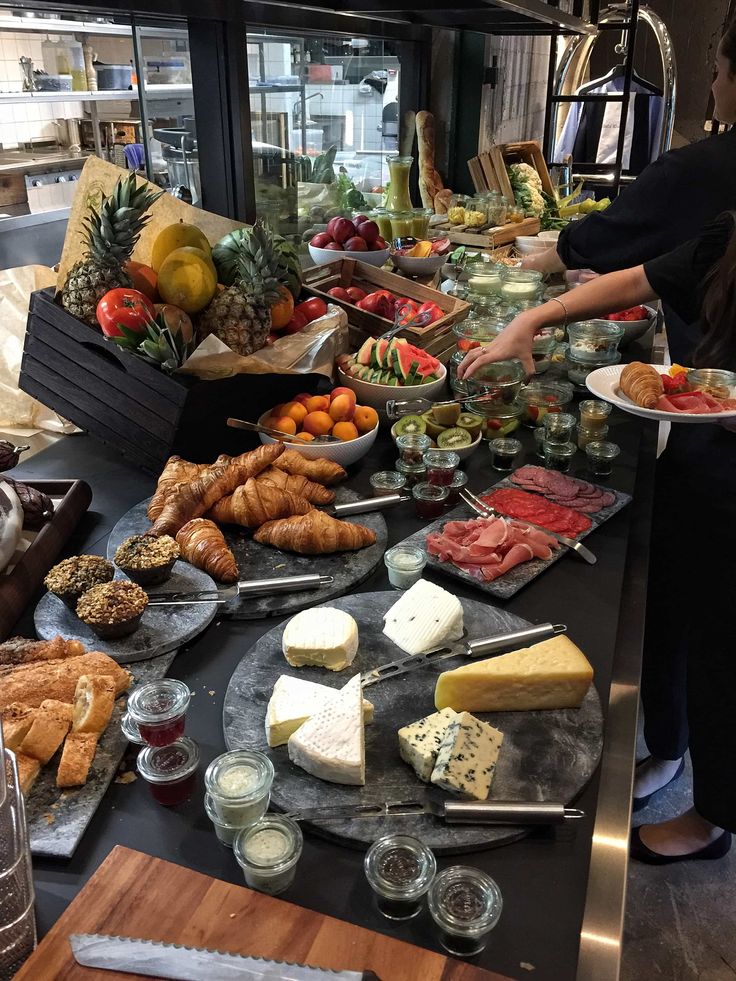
[(601, 934), (28, 221)]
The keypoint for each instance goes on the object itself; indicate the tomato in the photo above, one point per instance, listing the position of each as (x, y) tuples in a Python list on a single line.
[(340, 293), (466, 345), (435, 312), (405, 301), (355, 293), (124, 308), (312, 309), (297, 323)]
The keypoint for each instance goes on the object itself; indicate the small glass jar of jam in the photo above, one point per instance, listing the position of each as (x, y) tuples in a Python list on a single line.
[(430, 500), (585, 435), (131, 731), (405, 564), (159, 709), (466, 904), (268, 853), (558, 427), (239, 784), (400, 870), (412, 473), (594, 414), (387, 482), (559, 456), (459, 481), (226, 833), (540, 441), (504, 453), (412, 447), (170, 771), (441, 466), (600, 457)]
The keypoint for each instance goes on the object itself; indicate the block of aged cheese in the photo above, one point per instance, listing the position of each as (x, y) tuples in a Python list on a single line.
[(295, 700), (424, 619), (554, 674), (466, 760), (419, 742), (322, 636), (331, 745)]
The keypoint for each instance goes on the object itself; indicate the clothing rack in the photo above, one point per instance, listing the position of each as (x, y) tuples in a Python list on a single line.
[(624, 17)]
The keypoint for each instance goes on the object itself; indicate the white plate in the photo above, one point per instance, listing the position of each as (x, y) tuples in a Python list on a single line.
[(603, 383)]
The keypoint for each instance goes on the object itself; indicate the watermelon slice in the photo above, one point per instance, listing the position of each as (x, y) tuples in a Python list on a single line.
[(380, 349), (366, 350)]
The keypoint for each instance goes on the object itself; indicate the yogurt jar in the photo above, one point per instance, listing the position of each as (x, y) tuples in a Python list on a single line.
[(226, 833), (239, 785), (268, 853), (405, 564)]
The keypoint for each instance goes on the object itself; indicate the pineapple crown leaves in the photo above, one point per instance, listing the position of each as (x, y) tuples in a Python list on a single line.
[(158, 344), (261, 267), (113, 230)]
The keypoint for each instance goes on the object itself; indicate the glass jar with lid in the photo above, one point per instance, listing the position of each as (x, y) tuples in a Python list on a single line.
[(497, 208), (456, 209), (471, 334), (482, 304), (402, 224), (466, 904), (521, 284), (476, 212), (420, 222), (400, 870), (239, 785), (268, 853), (382, 218), (485, 277)]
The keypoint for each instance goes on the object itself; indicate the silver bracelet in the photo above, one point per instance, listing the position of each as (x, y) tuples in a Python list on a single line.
[(555, 299)]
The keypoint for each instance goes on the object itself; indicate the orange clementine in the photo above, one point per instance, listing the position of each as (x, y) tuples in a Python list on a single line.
[(307, 437), (317, 423), (296, 411), (365, 418), (318, 403), (342, 408), (144, 279), (282, 310), (345, 431), (285, 424), (342, 391)]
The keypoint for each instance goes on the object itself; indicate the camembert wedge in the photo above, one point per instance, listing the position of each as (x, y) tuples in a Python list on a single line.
[(554, 674), (331, 745), (295, 700), (424, 619)]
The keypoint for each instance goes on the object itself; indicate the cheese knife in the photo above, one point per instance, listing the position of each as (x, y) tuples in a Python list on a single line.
[(252, 587), (160, 960), (486, 812), (485, 647), (365, 505)]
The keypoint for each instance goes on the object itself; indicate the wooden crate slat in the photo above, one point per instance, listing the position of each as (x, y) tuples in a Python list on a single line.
[(476, 175), (528, 152), (493, 237), (489, 172)]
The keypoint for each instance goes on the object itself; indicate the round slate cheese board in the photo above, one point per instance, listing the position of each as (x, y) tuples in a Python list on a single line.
[(547, 755), (256, 561)]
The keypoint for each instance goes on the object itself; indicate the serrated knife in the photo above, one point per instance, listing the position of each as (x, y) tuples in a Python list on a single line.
[(159, 960)]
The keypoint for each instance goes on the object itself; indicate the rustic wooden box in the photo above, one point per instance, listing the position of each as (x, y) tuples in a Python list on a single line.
[(129, 404)]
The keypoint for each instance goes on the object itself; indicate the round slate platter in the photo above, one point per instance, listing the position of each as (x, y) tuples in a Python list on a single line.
[(256, 561), (162, 629), (545, 755)]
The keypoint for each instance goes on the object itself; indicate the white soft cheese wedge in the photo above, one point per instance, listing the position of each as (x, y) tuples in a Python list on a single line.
[(466, 760), (323, 636), (331, 744), (295, 700), (420, 741), (424, 619)]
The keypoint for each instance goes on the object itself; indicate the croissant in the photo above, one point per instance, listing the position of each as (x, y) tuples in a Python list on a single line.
[(175, 473), (196, 498), (256, 502), (258, 459), (323, 471), (314, 533), (642, 384), (203, 544), (296, 484)]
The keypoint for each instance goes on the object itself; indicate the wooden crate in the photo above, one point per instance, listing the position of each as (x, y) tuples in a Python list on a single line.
[(348, 272), (131, 405), (528, 152)]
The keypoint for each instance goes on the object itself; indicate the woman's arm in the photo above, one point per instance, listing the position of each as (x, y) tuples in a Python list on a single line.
[(545, 262), (618, 290)]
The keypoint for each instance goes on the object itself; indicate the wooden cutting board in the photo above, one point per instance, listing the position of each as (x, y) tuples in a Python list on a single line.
[(135, 895)]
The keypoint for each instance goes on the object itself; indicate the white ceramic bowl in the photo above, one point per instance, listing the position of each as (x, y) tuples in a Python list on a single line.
[(530, 244), (463, 452), (369, 393), (413, 266), (549, 236), (634, 329), (321, 256), (342, 453)]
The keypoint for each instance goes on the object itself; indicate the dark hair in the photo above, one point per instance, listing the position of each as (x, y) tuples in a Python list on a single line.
[(717, 349), (728, 45)]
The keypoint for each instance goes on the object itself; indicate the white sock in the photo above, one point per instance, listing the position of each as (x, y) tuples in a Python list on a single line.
[(653, 775)]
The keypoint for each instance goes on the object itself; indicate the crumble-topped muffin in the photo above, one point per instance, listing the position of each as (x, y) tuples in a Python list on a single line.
[(74, 576), (113, 609), (146, 559)]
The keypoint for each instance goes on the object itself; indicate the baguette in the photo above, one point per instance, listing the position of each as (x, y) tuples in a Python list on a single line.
[(50, 725), (32, 683), (430, 182), (76, 759), (21, 650), (17, 720), (28, 770), (94, 701)]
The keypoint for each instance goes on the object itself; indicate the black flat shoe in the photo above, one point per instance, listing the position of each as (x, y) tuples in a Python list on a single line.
[(639, 851), (639, 803)]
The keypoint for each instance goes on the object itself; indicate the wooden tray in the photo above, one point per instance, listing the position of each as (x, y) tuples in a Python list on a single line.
[(71, 499), (490, 238), (136, 895)]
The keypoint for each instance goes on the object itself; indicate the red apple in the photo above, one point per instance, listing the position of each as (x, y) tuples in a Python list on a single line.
[(340, 294), (356, 244), (378, 245), (355, 293), (359, 219), (369, 230), (333, 247), (321, 240), (331, 225), (343, 230)]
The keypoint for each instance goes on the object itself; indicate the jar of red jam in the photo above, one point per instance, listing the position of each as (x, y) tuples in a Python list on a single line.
[(170, 771), (441, 466), (459, 480), (159, 709), (429, 500)]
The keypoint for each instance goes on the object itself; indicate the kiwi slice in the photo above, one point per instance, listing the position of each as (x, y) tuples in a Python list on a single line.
[(432, 429), (471, 422), (453, 439), (410, 425), (446, 413)]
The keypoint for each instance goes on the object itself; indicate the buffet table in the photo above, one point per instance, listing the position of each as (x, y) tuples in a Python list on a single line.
[(563, 891)]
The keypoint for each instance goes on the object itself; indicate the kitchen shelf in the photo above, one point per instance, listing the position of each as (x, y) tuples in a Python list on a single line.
[(152, 92), (48, 25)]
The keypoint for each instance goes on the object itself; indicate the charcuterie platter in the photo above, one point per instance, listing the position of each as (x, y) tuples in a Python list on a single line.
[(546, 755)]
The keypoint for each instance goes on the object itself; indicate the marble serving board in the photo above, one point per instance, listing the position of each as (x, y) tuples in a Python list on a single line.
[(162, 629), (545, 756), (256, 561), (57, 819), (518, 577)]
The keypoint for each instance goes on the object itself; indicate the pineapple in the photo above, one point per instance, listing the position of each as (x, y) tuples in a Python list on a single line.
[(240, 316), (112, 233), (167, 347)]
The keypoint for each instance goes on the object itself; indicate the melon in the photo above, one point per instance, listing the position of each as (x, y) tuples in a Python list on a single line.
[(364, 355), (380, 351)]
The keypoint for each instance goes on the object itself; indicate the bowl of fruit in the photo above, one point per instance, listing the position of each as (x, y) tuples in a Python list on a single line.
[(335, 414), (381, 370), (421, 258), (358, 239), (447, 426), (636, 321)]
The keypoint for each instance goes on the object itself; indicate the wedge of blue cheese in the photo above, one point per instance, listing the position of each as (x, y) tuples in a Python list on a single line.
[(420, 741), (425, 618), (467, 757)]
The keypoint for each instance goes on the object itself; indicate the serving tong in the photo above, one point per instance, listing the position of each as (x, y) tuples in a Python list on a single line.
[(486, 511), (256, 427)]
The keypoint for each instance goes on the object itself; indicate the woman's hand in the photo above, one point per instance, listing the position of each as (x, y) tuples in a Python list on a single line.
[(515, 341)]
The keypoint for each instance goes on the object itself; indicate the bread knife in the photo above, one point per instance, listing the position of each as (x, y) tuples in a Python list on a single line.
[(485, 812), (485, 647)]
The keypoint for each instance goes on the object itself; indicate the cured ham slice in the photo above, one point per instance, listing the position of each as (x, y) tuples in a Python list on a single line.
[(697, 403)]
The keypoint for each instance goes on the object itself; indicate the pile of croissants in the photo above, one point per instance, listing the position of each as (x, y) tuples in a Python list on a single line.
[(271, 489)]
